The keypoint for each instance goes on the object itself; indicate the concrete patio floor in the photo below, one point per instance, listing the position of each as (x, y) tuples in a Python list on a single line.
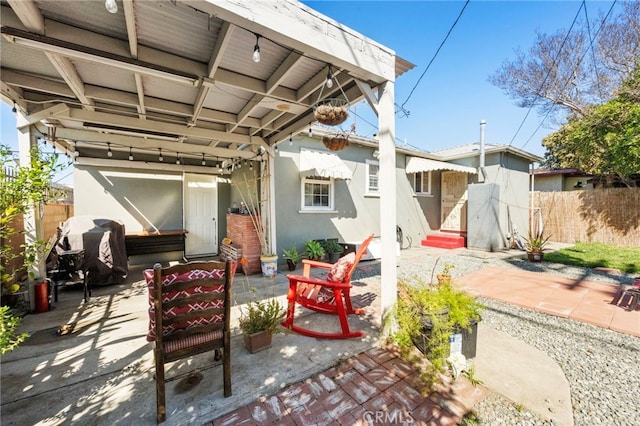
[(99, 370)]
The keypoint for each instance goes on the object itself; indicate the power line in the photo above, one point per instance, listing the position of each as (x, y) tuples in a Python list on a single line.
[(433, 58), (575, 68), (566, 37)]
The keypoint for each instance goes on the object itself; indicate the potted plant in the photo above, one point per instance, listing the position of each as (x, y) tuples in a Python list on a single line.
[(313, 250), (22, 189), (444, 277), (259, 322), (334, 250), (535, 245), (292, 256), (432, 317)]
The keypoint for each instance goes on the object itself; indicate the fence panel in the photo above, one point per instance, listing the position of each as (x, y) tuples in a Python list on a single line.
[(609, 215)]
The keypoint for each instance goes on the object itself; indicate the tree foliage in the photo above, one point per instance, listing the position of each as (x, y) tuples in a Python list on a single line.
[(21, 188), (605, 141), (568, 71)]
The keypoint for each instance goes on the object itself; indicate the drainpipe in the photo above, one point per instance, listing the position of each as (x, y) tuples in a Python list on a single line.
[(481, 170)]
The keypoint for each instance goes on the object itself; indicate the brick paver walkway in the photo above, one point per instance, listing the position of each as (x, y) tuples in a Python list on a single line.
[(375, 387)]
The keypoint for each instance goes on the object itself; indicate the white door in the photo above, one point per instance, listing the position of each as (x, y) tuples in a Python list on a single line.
[(200, 215), (454, 202)]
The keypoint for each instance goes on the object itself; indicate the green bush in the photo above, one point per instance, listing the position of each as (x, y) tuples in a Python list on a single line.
[(8, 324)]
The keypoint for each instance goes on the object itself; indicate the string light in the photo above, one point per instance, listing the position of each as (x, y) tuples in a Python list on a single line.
[(290, 140), (109, 153), (256, 50), (178, 158), (204, 163), (130, 154), (240, 163), (329, 82), (310, 131), (76, 153), (14, 109), (160, 156), (251, 165), (111, 6)]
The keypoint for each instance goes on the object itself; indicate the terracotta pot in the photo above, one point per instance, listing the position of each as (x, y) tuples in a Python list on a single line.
[(259, 341), (444, 279)]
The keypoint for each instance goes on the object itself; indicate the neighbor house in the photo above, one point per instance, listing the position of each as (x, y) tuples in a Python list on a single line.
[(561, 180)]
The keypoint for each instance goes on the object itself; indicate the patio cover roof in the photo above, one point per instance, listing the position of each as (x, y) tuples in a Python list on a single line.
[(323, 164), (417, 165), (177, 76)]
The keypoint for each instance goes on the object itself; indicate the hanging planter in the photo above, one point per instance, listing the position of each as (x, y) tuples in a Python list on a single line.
[(331, 111), (336, 143)]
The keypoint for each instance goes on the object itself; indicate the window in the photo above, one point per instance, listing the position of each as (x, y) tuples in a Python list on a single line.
[(373, 173), (317, 193), (422, 183)]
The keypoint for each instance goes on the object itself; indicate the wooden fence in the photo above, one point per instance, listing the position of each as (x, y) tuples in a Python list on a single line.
[(54, 214), (609, 216)]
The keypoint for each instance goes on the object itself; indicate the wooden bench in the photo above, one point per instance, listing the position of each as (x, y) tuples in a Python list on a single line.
[(155, 242)]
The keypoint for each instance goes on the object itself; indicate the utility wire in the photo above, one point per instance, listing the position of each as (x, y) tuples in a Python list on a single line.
[(575, 68), (433, 58), (544, 81)]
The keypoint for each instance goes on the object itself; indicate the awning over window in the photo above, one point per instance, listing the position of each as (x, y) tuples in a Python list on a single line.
[(324, 164), (417, 165)]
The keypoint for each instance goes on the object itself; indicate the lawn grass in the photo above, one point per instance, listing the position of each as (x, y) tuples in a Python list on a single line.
[(591, 255)]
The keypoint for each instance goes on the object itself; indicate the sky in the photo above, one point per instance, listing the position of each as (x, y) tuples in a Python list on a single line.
[(454, 95)]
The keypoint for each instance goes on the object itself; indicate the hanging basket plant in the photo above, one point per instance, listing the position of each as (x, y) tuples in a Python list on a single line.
[(337, 142), (331, 111)]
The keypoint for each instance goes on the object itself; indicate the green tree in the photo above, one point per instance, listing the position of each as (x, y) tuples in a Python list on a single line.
[(21, 188), (605, 141), (565, 72)]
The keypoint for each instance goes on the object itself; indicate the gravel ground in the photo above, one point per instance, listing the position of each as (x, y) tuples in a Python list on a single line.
[(601, 365)]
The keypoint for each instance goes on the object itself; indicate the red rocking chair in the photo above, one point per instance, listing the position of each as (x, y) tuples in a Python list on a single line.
[(329, 296)]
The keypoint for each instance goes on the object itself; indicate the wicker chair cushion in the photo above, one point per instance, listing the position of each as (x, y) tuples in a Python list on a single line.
[(193, 340)]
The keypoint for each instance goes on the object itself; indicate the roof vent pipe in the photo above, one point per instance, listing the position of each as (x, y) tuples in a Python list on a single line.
[(481, 171)]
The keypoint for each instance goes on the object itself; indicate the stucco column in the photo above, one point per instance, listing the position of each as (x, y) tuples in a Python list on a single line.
[(33, 227), (387, 182)]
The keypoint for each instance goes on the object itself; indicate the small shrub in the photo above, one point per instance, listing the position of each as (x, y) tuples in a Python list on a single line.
[(8, 324)]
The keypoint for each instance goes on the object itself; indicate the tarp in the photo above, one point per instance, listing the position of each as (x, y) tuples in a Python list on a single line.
[(417, 165), (323, 164), (102, 240)]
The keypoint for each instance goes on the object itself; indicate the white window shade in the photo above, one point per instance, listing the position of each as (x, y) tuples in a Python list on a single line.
[(417, 165), (323, 164)]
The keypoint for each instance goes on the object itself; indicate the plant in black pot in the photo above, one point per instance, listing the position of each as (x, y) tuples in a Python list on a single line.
[(313, 250), (334, 250), (430, 317), (292, 257)]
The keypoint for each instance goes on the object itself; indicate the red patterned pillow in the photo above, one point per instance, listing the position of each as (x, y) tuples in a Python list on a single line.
[(168, 279), (339, 269)]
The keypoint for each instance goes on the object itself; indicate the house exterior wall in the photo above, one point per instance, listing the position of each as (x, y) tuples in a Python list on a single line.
[(356, 214), (143, 201), (548, 183), (510, 175)]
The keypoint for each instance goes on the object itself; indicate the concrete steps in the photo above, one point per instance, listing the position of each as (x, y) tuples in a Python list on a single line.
[(444, 240)]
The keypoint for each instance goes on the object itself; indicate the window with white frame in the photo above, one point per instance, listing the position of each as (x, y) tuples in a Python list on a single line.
[(372, 176), (317, 193), (422, 183)]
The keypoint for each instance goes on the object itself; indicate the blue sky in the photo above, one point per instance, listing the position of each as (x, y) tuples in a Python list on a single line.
[(454, 95)]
